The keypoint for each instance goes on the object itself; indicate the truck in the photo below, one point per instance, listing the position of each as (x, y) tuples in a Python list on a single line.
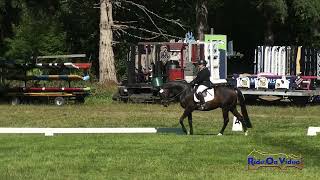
[(151, 64)]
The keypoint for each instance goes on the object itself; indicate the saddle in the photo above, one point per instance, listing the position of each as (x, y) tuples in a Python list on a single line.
[(208, 95)]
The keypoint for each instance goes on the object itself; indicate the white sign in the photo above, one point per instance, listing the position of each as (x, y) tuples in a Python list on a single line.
[(312, 131), (236, 125)]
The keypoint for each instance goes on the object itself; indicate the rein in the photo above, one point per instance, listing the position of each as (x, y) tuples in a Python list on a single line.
[(174, 97)]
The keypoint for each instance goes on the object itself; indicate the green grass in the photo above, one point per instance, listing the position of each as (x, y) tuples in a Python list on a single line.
[(161, 156)]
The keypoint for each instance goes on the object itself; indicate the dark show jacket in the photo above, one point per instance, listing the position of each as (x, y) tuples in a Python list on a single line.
[(203, 78)]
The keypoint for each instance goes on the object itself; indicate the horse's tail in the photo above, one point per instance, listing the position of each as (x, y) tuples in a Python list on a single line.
[(244, 111)]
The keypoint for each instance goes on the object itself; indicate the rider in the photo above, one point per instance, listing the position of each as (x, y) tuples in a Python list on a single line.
[(202, 80)]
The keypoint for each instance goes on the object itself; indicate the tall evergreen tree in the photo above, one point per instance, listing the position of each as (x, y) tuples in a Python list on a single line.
[(274, 12), (38, 32)]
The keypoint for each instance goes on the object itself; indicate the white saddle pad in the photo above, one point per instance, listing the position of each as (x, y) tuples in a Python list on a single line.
[(208, 96)]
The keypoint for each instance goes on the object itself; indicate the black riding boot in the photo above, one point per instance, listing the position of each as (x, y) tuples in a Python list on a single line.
[(201, 98)]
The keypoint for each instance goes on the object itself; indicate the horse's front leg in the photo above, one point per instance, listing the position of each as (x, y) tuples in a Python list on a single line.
[(225, 113), (240, 118), (184, 115), (190, 123)]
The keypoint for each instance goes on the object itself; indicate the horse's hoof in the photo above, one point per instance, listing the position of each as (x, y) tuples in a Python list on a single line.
[(246, 133), (219, 134)]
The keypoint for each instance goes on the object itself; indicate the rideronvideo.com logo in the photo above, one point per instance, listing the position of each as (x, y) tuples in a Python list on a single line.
[(257, 159)]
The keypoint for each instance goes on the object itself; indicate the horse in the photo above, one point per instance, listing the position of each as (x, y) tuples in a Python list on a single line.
[(225, 97)]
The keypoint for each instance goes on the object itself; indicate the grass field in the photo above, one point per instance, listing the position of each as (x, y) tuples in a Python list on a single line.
[(159, 156)]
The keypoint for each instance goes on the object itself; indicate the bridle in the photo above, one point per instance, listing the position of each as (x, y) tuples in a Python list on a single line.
[(171, 99)]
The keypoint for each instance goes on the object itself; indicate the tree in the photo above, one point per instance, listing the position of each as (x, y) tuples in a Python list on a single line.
[(107, 26), (274, 12), (201, 18), (9, 15), (304, 20), (107, 70), (38, 33)]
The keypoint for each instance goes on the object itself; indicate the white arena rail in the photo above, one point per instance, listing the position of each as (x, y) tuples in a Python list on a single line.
[(52, 131)]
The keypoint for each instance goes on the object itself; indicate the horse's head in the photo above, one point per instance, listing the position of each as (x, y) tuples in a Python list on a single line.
[(171, 91), (164, 96)]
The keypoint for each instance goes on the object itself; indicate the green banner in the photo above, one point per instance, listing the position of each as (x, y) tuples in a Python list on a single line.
[(217, 37)]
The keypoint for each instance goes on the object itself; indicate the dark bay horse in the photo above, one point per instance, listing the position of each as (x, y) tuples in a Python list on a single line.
[(225, 98)]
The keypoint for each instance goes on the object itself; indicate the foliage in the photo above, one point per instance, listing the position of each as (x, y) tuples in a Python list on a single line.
[(9, 15), (276, 10), (35, 27), (81, 24), (306, 19), (37, 34), (121, 59)]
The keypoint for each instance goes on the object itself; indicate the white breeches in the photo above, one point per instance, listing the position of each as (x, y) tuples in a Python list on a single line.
[(201, 88)]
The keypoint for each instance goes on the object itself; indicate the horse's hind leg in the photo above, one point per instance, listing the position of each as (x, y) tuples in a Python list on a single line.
[(184, 115), (240, 118), (190, 123), (225, 113)]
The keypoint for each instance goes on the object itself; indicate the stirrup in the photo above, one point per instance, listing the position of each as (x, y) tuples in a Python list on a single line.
[(202, 107)]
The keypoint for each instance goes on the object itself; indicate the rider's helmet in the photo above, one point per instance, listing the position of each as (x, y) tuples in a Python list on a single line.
[(202, 61)]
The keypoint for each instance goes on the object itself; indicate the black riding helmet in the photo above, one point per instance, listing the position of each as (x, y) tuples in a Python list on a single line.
[(201, 61)]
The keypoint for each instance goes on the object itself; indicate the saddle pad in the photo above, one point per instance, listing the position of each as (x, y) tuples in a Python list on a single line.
[(209, 95)]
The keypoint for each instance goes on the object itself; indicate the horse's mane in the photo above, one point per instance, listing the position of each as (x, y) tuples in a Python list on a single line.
[(180, 83)]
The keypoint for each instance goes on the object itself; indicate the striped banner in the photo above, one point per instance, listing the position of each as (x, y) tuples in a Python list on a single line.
[(50, 77), (84, 66)]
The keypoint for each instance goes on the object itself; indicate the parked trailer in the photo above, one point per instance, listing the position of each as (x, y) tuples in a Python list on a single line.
[(150, 64), (58, 98), (14, 74), (284, 72), (296, 96)]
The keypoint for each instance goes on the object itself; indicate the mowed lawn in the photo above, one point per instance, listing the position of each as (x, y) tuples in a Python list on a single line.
[(276, 129)]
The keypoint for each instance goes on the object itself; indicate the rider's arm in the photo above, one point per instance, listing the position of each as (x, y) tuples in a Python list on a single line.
[(200, 77)]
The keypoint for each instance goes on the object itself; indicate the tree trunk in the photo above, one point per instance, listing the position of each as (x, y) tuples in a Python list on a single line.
[(269, 34), (107, 72), (201, 18)]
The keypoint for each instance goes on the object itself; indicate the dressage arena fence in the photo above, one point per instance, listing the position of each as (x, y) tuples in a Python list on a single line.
[(312, 131), (53, 131)]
